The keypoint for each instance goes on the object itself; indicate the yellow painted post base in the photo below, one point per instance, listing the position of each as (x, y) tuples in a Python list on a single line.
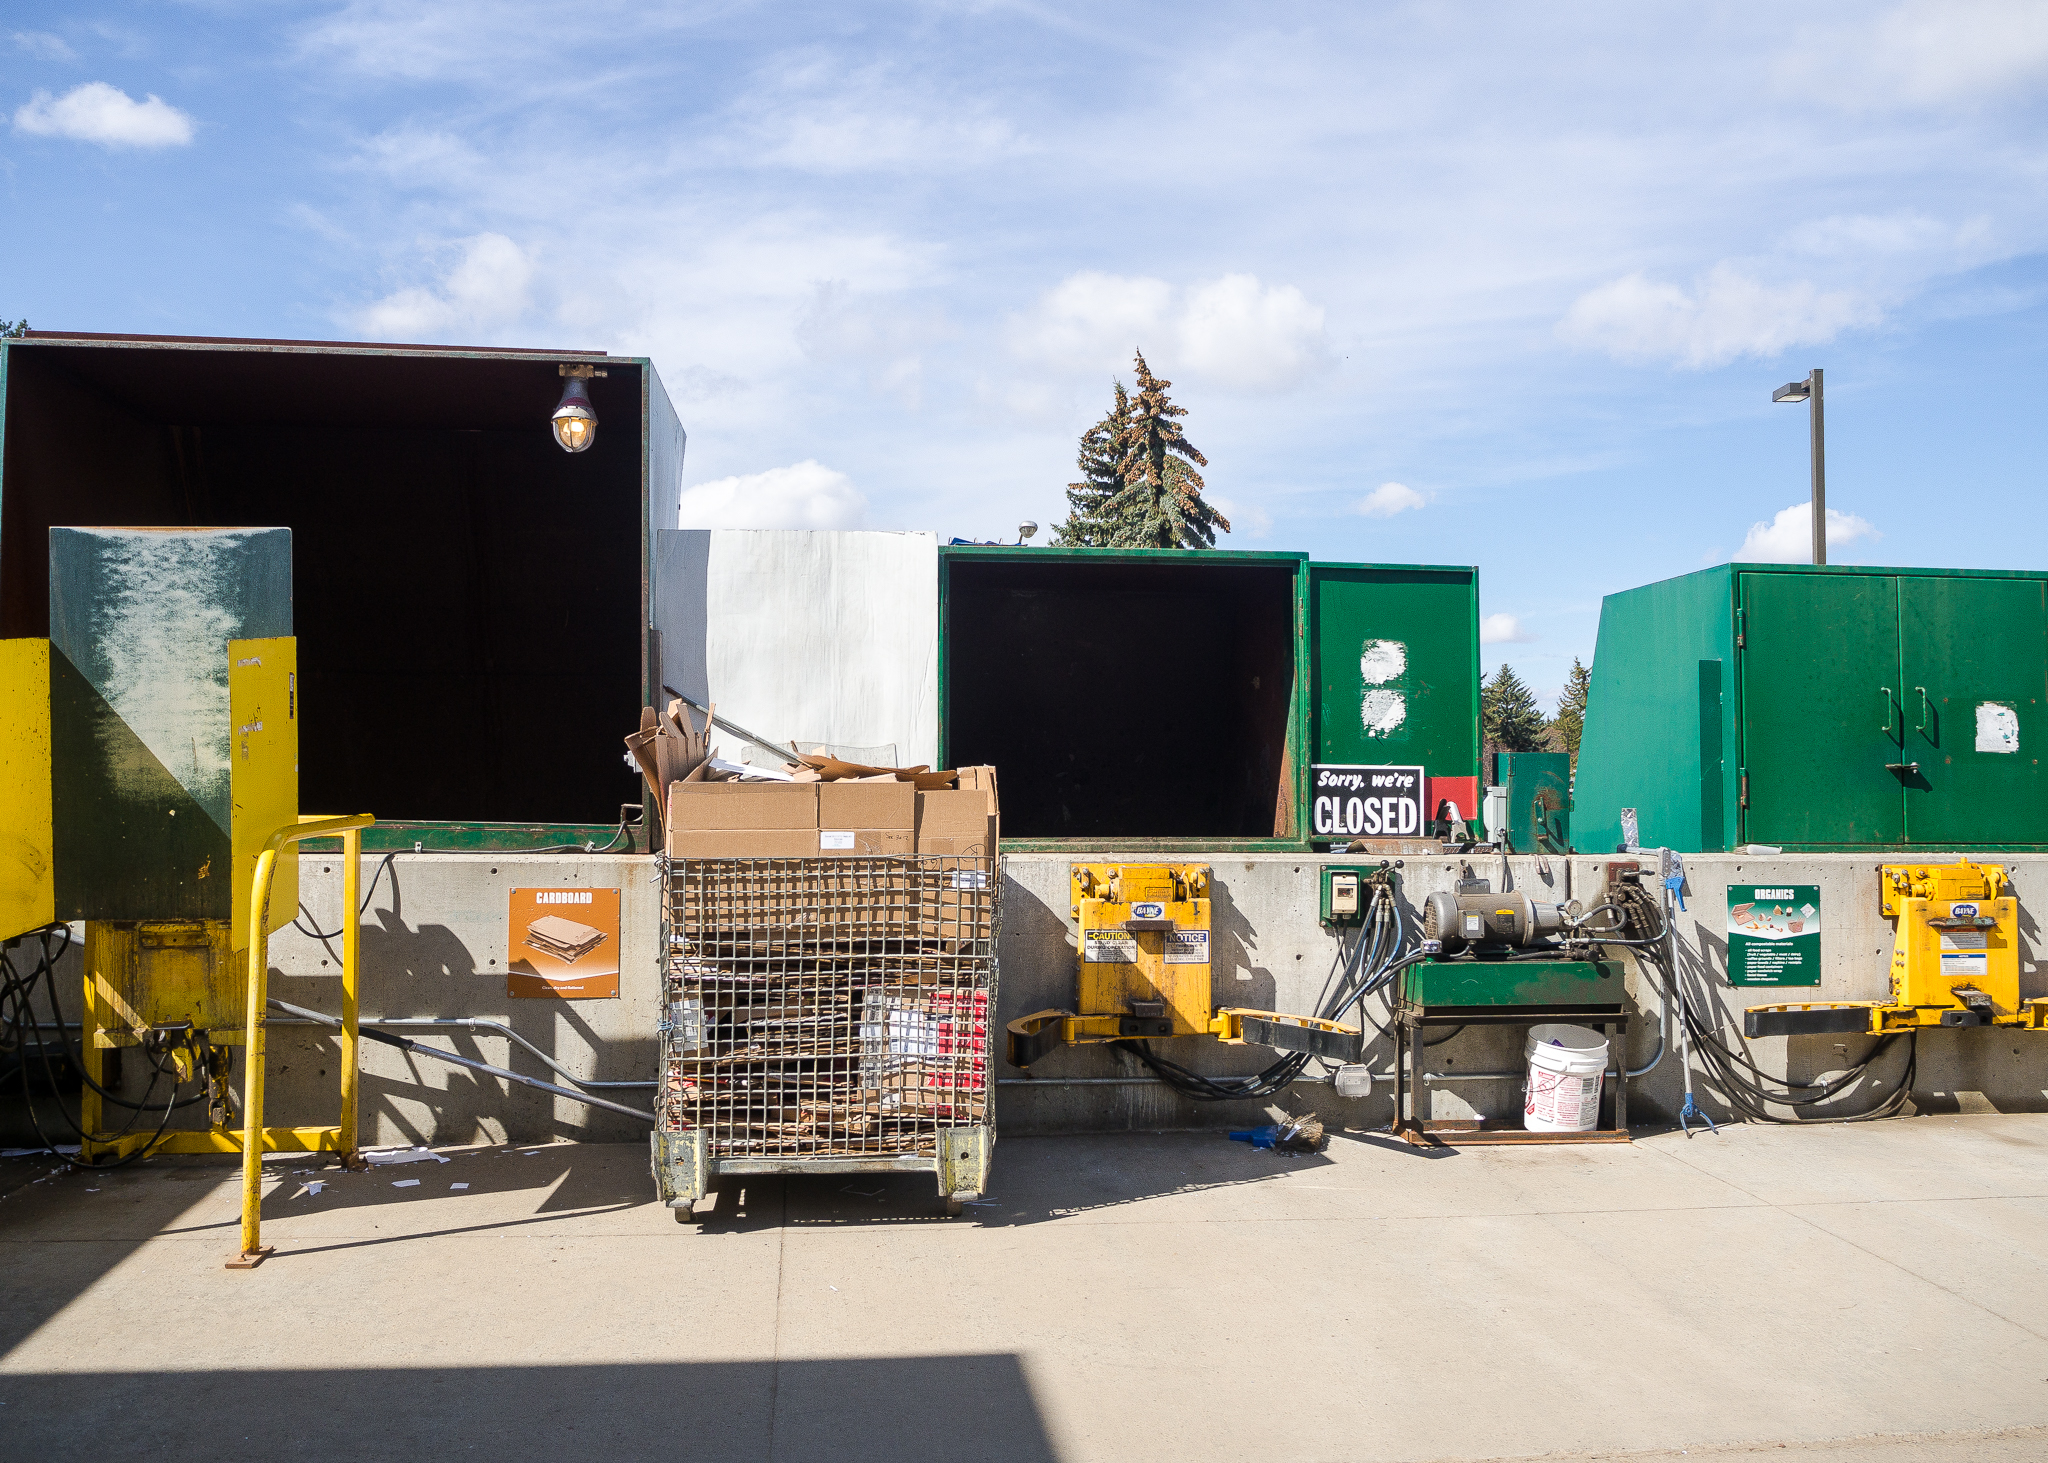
[(216, 1140)]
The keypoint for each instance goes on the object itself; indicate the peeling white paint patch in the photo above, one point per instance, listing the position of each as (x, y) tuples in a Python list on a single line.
[(1998, 728), (1381, 661), (1382, 711)]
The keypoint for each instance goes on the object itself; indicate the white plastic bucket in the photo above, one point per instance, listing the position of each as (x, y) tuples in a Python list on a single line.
[(1565, 1067)]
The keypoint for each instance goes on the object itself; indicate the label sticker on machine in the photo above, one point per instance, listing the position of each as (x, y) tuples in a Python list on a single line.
[(1187, 947), (1774, 934), (970, 878), (1964, 952), (1109, 947)]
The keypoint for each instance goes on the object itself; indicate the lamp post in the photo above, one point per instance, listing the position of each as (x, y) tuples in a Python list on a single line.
[(1808, 391)]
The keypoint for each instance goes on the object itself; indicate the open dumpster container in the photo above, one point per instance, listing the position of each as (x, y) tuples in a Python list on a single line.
[(1149, 696), (471, 602)]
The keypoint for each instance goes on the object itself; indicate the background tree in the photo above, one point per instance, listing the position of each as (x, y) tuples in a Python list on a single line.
[(1570, 722), (11, 328), (1101, 462), (1161, 504), (1509, 719)]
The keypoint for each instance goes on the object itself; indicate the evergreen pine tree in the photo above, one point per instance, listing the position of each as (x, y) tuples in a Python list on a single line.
[(1101, 464), (1160, 505), (1508, 716), (1570, 721)]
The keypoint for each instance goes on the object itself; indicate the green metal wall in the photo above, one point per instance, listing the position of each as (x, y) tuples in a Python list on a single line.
[(1394, 656), (1810, 708)]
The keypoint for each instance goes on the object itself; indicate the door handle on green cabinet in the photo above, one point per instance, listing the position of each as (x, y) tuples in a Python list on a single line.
[(1891, 711), (1920, 726)]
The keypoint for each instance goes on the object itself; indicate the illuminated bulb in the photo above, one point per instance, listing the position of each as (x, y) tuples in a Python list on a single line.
[(575, 421)]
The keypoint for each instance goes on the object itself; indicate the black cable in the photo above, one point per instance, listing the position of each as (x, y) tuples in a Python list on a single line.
[(368, 894), (47, 971)]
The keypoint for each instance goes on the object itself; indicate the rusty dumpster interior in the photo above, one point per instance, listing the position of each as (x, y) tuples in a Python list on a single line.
[(467, 596), (1124, 699)]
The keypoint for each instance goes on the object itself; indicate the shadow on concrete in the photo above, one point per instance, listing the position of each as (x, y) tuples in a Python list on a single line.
[(907, 1409)]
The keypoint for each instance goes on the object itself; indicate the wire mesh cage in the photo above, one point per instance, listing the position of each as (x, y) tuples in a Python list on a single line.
[(828, 1007)]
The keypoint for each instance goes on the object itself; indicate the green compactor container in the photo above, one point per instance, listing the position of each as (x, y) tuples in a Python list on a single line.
[(1819, 707)]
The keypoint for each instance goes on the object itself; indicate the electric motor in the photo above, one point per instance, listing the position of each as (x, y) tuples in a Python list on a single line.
[(1461, 921)]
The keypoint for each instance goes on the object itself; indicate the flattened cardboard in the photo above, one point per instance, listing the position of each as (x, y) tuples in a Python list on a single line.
[(742, 842), (865, 842), (867, 805), (534, 968), (714, 806)]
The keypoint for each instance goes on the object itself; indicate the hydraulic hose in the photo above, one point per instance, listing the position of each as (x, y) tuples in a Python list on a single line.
[(405, 1044)]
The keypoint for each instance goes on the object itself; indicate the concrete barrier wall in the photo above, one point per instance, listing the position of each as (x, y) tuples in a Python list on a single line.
[(435, 944)]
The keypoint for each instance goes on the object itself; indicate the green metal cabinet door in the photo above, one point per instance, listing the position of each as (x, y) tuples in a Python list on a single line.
[(1395, 667), (1975, 654), (1820, 710)]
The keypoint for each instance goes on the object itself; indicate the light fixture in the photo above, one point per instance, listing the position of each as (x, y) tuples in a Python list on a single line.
[(575, 419), (1025, 530), (1809, 391)]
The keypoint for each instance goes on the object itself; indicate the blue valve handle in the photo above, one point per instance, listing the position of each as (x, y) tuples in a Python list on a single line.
[(1676, 884)]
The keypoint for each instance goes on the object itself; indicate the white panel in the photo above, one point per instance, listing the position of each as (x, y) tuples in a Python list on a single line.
[(809, 636)]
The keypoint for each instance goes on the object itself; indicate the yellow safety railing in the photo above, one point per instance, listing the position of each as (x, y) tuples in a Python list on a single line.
[(255, 1137)]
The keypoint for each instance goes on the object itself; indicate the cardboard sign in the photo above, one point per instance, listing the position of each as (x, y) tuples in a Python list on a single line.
[(1774, 934), (1351, 801), (563, 942)]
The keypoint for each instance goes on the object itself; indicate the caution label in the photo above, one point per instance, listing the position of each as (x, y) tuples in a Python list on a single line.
[(1965, 953), (1109, 947), (1187, 947)]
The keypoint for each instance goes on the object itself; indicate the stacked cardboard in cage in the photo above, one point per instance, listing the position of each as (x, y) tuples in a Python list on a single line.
[(835, 1004)]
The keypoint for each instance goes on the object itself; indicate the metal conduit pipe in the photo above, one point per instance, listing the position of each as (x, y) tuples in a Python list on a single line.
[(478, 1023), (371, 1033)]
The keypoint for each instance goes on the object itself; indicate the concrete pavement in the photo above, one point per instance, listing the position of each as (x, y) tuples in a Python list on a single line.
[(1863, 1294)]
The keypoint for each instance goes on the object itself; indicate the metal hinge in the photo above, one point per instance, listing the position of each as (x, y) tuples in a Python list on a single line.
[(1740, 639), (1744, 800)]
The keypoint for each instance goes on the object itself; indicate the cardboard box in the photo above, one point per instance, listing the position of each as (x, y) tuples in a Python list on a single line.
[(867, 805), (864, 842), (963, 821), (743, 805), (742, 842)]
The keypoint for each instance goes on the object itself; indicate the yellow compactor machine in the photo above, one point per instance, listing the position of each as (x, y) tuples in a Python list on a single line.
[(1955, 960), (1143, 949)]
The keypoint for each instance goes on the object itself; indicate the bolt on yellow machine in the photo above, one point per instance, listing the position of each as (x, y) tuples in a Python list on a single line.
[(1144, 969), (1955, 960)]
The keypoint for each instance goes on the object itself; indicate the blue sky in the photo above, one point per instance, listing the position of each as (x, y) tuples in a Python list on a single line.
[(1452, 283)]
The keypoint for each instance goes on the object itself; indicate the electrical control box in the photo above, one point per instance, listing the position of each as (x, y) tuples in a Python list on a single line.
[(1343, 894), (1144, 945)]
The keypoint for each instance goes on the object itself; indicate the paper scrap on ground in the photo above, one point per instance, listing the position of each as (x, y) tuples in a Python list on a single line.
[(381, 1156), (405, 1183), (458, 1186), (314, 1187)]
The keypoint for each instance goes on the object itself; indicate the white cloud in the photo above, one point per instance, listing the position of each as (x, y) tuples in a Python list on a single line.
[(1254, 337), (97, 112), (1233, 332), (486, 289), (1388, 499), (1788, 537), (806, 494), (43, 46), (1726, 316), (1504, 630), (1247, 520), (1923, 52)]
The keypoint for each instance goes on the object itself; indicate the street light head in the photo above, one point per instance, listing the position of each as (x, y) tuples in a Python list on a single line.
[(1793, 391)]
